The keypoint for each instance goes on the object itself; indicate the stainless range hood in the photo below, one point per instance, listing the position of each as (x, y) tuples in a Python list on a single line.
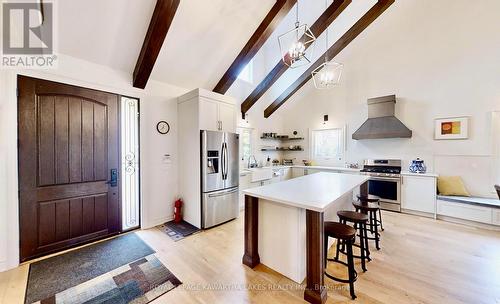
[(381, 121)]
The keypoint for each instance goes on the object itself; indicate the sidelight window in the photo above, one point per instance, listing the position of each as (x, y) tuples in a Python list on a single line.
[(130, 163)]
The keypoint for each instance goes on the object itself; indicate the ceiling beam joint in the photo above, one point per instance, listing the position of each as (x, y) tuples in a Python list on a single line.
[(375, 11), (320, 25)]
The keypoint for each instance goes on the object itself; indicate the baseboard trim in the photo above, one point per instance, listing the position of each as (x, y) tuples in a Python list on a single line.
[(156, 222), (468, 223), (5, 265), (419, 213)]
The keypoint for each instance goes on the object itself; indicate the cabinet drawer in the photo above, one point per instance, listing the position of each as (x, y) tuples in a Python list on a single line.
[(495, 218), (465, 211)]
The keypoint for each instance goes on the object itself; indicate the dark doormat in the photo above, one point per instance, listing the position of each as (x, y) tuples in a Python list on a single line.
[(54, 275), (178, 231)]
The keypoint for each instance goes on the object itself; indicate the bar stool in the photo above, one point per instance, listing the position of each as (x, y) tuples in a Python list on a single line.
[(370, 209), (359, 220), (347, 235), (367, 199)]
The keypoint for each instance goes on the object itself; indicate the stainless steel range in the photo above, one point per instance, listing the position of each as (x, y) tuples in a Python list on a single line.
[(385, 182)]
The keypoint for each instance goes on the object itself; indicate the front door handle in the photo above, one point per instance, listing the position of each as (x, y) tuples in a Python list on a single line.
[(113, 182)]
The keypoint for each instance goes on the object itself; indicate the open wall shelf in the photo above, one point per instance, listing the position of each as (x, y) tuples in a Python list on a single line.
[(282, 149), (283, 139)]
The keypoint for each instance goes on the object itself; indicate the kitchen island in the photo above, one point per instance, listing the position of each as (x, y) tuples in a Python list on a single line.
[(284, 225)]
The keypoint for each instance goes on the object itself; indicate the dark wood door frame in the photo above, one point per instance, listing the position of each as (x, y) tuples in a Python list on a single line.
[(50, 191)]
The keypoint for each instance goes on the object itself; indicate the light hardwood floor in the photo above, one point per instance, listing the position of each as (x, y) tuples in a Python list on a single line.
[(421, 261)]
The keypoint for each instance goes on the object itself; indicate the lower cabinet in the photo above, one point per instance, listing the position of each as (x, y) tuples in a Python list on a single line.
[(245, 183), (287, 174), (297, 172), (468, 212), (495, 217), (418, 193)]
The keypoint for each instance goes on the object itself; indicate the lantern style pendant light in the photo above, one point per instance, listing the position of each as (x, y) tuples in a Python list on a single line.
[(328, 74), (297, 45)]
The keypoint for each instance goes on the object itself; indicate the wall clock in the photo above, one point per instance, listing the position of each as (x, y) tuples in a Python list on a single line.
[(163, 127)]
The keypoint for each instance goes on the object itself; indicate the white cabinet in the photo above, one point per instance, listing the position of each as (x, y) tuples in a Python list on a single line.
[(227, 117), (418, 193), (209, 115), (217, 115), (287, 174), (297, 172), (495, 217), (198, 110), (465, 211), (245, 183)]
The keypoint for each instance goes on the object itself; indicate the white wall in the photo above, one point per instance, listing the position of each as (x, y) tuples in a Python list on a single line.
[(158, 180), (441, 60)]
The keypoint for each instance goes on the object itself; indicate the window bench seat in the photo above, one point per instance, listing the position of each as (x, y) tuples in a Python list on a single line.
[(476, 209), (480, 201)]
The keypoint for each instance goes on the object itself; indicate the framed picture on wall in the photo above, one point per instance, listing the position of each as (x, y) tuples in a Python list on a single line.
[(451, 128)]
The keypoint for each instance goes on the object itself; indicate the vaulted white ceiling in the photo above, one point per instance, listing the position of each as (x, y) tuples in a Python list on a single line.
[(203, 40)]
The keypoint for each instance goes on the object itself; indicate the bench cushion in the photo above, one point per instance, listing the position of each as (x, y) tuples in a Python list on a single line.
[(481, 201), (451, 185)]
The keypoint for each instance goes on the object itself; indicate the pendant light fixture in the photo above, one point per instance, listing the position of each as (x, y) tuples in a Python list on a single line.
[(297, 45), (328, 74)]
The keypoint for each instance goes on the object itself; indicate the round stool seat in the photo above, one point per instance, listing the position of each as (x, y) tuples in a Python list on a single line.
[(366, 206), (339, 231), (367, 199), (352, 216)]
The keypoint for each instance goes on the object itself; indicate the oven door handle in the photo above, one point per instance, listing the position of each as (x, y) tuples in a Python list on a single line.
[(389, 179)]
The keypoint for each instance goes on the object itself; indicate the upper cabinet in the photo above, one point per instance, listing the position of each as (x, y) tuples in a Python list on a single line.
[(209, 115), (227, 117), (214, 112)]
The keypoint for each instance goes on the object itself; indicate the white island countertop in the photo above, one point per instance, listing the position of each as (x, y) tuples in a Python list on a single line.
[(312, 192)]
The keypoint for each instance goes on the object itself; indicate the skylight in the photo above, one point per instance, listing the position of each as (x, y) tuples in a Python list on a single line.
[(247, 73)]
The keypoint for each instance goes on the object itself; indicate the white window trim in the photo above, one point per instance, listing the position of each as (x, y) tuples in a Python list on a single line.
[(251, 140), (328, 161)]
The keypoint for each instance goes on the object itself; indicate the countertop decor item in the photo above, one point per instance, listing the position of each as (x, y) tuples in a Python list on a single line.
[(451, 128), (417, 166)]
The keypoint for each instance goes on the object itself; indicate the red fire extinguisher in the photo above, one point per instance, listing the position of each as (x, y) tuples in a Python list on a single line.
[(178, 211)]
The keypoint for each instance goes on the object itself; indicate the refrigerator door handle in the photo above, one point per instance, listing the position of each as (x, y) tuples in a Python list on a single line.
[(223, 162), (226, 161)]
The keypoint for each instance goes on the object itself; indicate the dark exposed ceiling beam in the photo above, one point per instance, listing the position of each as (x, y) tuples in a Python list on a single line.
[(157, 31), (328, 16), (335, 49), (279, 10)]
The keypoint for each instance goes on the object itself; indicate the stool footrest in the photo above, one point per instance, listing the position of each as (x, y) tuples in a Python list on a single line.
[(356, 256), (339, 279)]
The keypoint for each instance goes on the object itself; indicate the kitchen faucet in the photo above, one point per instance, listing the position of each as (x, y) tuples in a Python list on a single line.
[(254, 164)]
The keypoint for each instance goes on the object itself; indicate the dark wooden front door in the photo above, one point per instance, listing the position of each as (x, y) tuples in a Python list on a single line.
[(68, 147)]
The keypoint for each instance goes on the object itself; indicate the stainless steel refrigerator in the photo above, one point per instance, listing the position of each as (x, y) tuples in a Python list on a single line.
[(219, 177)]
